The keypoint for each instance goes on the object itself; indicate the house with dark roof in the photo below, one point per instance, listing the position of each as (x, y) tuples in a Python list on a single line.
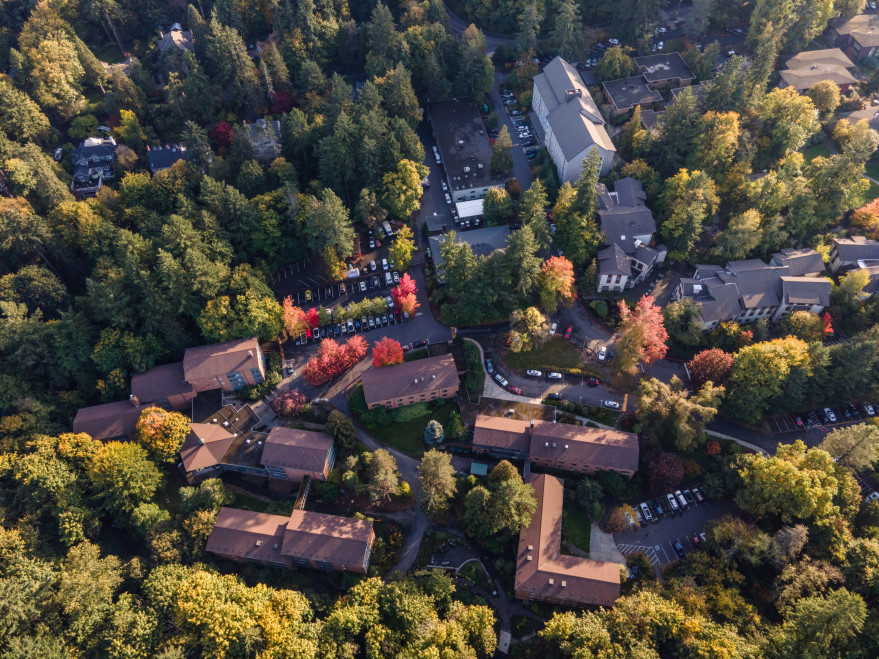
[(304, 539), (543, 573), (205, 446), (265, 138), (845, 253), (228, 366), (572, 123), (625, 93), (165, 386), (293, 454), (109, 421), (628, 227), (419, 381), (464, 147), (650, 118), (808, 68), (176, 37), (664, 70), (163, 157), (92, 163), (483, 242), (800, 262), (857, 36), (746, 291), (579, 449)]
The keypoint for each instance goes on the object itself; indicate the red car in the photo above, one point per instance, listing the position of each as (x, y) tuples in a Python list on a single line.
[(592, 381), (568, 332), (797, 419), (514, 390)]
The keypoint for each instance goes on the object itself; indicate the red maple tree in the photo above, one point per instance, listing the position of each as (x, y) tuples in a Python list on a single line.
[(282, 102), (557, 283), (312, 317), (712, 365), (289, 403), (334, 359), (386, 352), (405, 295), (222, 133), (295, 319), (827, 319), (642, 334)]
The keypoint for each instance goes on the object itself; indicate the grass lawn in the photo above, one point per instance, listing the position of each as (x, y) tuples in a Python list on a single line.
[(555, 354), (408, 437), (816, 150), (872, 192), (576, 526), (872, 169)]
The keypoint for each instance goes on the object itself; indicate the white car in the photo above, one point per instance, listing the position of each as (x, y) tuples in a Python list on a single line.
[(534, 374), (630, 520), (363, 287), (660, 45), (448, 199), (612, 404), (384, 264), (602, 354), (372, 265), (390, 302), (830, 414), (445, 187), (869, 409), (500, 380), (553, 328), (873, 496), (396, 277), (555, 376), (661, 30), (613, 42)]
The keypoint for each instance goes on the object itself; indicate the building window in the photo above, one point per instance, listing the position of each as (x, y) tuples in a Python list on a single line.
[(236, 379), (257, 375)]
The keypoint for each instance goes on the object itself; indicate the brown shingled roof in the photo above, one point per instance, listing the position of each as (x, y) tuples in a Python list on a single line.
[(160, 383), (399, 381), (220, 358), (296, 449), (108, 421), (205, 446), (597, 447), (543, 572), (331, 538), (499, 432), (250, 535)]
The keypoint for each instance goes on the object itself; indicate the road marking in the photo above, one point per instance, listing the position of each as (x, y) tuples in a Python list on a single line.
[(625, 401)]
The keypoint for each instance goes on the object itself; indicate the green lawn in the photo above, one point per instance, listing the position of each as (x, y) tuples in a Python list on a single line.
[(872, 169), (816, 150), (555, 354), (408, 437), (872, 192), (576, 526)]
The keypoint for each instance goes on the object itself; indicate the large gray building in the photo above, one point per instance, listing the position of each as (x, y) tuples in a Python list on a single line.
[(464, 147)]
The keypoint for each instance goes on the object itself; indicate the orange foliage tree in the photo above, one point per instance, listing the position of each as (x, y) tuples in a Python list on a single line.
[(333, 359), (405, 295), (557, 283), (387, 352)]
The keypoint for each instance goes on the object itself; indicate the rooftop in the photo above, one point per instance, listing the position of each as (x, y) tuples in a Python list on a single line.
[(162, 157), (612, 260), (543, 572), (108, 421), (247, 443), (409, 378), (809, 76), (664, 66), (799, 261), (220, 358), (482, 241), (624, 215), (160, 382), (650, 117), (205, 446), (825, 56), (856, 248), (177, 37), (292, 448), (864, 28), (626, 93), (463, 143)]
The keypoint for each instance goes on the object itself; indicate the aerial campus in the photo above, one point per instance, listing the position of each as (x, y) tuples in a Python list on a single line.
[(439, 329)]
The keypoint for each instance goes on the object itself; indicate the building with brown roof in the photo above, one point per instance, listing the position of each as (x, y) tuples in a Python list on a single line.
[(205, 446), (163, 385), (305, 539), (411, 382), (558, 445), (807, 69), (109, 421), (293, 454), (228, 366), (543, 573), (858, 36)]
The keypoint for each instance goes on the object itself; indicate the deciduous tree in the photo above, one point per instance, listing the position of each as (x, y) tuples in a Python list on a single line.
[(402, 248), (437, 477), (557, 283), (712, 365), (688, 200), (383, 478), (501, 152), (855, 447), (668, 414), (665, 471), (162, 432), (401, 189), (528, 329), (683, 322), (123, 476), (295, 319), (642, 335), (386, 352), (405, 295), (740, 238), (615, 63)]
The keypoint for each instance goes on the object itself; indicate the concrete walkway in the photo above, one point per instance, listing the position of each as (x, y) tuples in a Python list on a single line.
[(602, 546), (491, 389)]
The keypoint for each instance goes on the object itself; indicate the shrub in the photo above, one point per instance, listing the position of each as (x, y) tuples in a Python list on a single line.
[(405, 490), (289, 403), (455, 427), (616, 485), (327, 492), (410, 412)]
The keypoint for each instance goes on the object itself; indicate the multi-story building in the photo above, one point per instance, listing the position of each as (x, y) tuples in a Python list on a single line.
[(846, 253), (664, 70), (228, 366), (557, 445), (858, 36), (419, 381), (109, 421), (164, 157), (293, 454), (571, 121), (92, 164), (543, 573), (305, 539), (810, 67)]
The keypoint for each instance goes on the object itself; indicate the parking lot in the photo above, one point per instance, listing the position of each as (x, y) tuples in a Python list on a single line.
[(818, 418), (657, 539)]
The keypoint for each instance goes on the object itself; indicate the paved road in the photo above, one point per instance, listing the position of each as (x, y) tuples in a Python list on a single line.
[(521, 166)]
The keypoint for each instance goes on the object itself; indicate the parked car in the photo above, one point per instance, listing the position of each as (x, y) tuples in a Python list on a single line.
[(869, 409), (698, 494), (555, 376), (695, 540), (673, 503), (873, 496), (337, 330), (831, 416), (350, 326), (501, 380), (681, 499), (679, 550), (797, 419), (371, 322), (568, 331), (362, 286), (648, 515), (532, 373), (689, 497), (656, 507), (612, 404), (630, 520), (364, 324), (554, 396), (396, 277), (613, 42), (489, 367), (602, 354), (514, 390), (553, 328), (593, 381)]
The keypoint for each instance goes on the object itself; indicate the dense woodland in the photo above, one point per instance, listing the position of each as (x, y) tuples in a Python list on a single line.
[(102, 550)]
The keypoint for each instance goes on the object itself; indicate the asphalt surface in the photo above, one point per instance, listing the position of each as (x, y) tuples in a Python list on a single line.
[(521, 165)]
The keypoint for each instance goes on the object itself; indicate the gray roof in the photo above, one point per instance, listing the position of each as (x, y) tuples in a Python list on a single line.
[(626, 93), (863, 28), (94, 155), (463, 143), (808, 77), (482, 241), (872, 286), (630, 192), (437, 223), (650, 117), (576, 129), (664, 66), (870, 114), (624, 215), (718, 300), (557, 79), (645, 254), (799, 261), (806, 290), (613, 261), (697, 90), (856, 248), (162, 157), (825, 56)]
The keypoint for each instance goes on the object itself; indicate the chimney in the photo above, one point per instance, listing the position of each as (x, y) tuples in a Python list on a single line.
[(134, 400), (529, 557), (201, 440), (551, 582), (564, 583), (530, 547), (573, 93), (250, 353)]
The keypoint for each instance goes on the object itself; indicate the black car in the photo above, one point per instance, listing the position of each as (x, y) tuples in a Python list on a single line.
[(689, 497), (337, 330), (656, 507), (419, 344), (531, 156), (854, 411), (679, 550), (554, 396)]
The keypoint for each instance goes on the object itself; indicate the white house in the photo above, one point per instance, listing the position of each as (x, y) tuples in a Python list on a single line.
[(572, 124)]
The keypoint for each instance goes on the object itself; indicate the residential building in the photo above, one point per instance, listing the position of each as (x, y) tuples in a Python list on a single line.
[(846, 252), (625, 93), (858, 36), (165, 386), (571, 121), (419, 381), (650, 118), (176, 37), (163, 157), (870, 114), (109, 421), (800, 262), (697, 90), (92, 163), (543, 573), (579, 449), (464, 148), (628, 227), (305, 539), (265, 138), (228, 366), (482, 241), (664, 70), (745, 291), (205, 446), (293, 454), (808, 68)]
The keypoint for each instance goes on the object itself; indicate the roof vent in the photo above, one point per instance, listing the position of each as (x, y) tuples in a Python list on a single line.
[(551, 582), (466, 170), (460, 141), (276, 546), (433, 376), (529, 557), (416, 380), (259, 543), (553, 445), (250, 353), (530, 547), (564, 583), (566, 446), (213, 420), (547, 444)]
